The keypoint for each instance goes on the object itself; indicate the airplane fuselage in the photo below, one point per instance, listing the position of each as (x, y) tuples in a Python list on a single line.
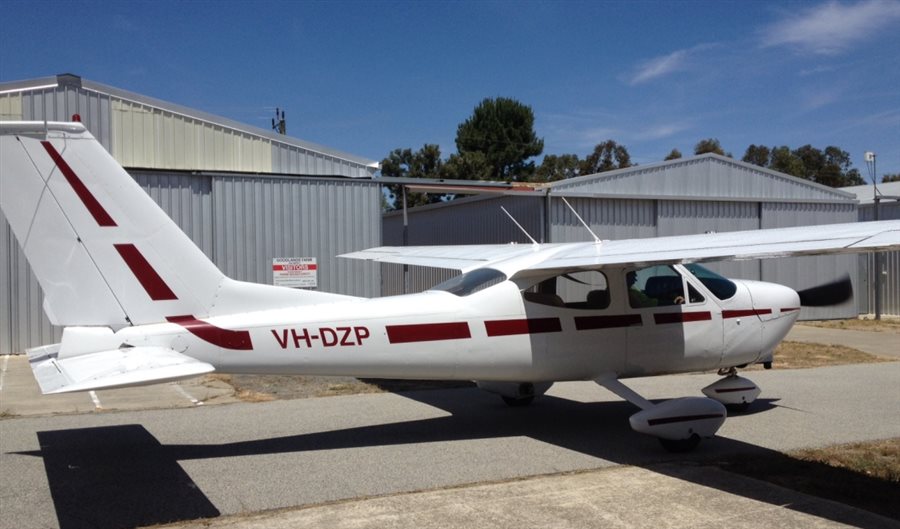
[(493, 334)]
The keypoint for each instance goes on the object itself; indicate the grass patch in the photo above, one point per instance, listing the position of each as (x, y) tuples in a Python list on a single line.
[(862, 475), (803, 355), (859, 324)]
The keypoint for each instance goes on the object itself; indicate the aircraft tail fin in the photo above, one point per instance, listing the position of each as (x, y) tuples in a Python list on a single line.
[(102, 250)]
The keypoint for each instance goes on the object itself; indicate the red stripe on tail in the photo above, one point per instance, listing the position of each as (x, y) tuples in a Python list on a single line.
[(87, 198), (156, 288)]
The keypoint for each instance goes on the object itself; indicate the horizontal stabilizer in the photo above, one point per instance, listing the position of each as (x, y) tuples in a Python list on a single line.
[(130, 366)]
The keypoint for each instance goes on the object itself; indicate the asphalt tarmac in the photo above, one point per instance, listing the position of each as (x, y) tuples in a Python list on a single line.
[(365, 460)]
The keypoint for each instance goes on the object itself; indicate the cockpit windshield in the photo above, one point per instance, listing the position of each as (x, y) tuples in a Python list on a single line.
[(471, 282), (721, 287)]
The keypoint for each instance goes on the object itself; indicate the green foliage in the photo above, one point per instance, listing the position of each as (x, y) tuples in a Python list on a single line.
[(471, 165), (708, 145), (831, 167), (757, 155), (785, 161), (424, 163), (503, 130), (607, 156), (673, 155), (890, 178), (556, 168)]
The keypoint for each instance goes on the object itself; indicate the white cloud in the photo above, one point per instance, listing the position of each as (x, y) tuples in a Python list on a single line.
[(659, 67), (833, 27), (660, 131)]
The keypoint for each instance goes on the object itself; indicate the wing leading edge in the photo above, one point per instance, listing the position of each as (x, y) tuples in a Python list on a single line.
[(852, 237)]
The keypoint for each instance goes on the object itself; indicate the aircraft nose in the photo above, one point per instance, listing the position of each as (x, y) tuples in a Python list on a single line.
[(778, 299)]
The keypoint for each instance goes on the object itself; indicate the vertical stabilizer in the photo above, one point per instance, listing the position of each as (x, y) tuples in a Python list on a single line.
[(102, 250)]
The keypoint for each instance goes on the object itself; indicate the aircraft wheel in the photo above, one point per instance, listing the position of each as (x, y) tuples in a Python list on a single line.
[(517, 403), (680, 445)]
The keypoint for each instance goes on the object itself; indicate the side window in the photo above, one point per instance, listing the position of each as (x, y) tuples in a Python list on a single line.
[(655, 286), (586, 290)]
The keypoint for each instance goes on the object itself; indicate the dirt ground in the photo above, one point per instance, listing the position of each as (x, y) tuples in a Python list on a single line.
[(860, 324)]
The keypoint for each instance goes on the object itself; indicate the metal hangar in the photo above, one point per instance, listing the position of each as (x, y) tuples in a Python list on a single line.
[(678, 197), (245, 195)]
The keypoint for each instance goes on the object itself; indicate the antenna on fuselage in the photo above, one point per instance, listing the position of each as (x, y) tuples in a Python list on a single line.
[(581, 220), (520, 226)]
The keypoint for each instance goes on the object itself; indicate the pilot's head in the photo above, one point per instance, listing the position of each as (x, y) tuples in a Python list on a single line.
[(631, 278)]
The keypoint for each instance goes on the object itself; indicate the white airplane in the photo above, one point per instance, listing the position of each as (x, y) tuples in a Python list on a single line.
[(141, 304)]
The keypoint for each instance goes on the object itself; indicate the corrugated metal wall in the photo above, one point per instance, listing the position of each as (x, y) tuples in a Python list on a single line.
[(240, 223), (474, 222), (149, 137), (145, 133), (890, 267), (805, 272), (258, 218), (708, 176)]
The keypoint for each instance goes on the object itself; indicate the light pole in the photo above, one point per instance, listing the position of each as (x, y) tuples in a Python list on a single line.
[(876, 257)]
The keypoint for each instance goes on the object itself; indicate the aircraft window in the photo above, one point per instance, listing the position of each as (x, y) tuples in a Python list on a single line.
[(471, 282), (721, 287), (655, 286), (693, 295), (585, 290)]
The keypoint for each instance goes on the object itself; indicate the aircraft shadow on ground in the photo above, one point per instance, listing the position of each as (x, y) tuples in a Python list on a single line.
[(121, 476)]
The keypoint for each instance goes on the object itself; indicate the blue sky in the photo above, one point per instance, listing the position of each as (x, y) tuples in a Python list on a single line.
[(368, 77)]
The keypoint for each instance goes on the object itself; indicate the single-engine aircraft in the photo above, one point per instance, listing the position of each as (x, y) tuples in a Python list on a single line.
[(141, 304)]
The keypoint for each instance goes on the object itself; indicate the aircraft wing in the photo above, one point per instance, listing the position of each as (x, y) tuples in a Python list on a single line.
[(852, 237), (110, 369), (461, 257)]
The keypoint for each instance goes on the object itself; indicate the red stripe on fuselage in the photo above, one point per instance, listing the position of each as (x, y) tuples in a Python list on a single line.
[(428, 332), (225, 338), (522, 326), (585, 323), (153, 284), (87, 198), (681, 317), (684, 418), (726, 314)]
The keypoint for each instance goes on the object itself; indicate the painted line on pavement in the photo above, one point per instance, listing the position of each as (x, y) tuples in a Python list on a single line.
[(96, 400), (3, 370), (186, 395)]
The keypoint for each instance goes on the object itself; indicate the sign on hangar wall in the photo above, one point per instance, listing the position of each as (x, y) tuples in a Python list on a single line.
[(295, 272)]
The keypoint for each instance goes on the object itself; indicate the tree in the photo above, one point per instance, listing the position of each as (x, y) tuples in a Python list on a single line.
[(708, 145), (757, 155), (838, 170), (555, 168), (890, 178), (424, 163), (503, 130), (607, 156), (673, 155), (785, 161), (467, 166)]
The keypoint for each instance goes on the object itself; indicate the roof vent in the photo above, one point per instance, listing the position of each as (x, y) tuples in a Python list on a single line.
[(68, 79)]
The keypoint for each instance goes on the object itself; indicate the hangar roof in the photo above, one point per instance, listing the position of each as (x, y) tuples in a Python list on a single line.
[(285, 145), (703, 177)]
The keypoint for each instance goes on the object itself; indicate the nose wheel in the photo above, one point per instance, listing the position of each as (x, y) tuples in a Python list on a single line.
[(735, 392)]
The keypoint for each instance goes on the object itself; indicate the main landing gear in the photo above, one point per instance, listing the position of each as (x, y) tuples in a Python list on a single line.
[(679, 424)]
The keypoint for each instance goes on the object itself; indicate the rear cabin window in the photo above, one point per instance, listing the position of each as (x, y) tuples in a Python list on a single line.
[(585, 290)]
